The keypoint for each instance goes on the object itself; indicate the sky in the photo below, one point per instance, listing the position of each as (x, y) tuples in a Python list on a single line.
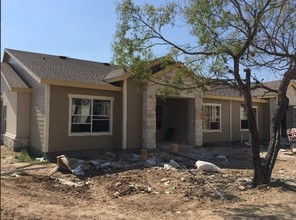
[(80, 29)]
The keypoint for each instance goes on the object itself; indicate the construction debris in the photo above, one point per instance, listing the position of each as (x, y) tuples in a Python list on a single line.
[(207, 166)]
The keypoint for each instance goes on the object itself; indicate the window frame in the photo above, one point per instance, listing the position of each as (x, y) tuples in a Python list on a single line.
[(220, 117), (240, 118), (92, 98)]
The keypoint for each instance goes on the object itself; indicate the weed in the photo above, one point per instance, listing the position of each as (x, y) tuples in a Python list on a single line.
[(24, 156)]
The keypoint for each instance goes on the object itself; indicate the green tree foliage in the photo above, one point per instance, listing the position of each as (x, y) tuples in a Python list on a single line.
[(226, 42)]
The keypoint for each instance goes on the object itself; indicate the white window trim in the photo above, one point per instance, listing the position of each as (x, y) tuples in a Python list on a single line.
[(71, 96), (220, 117), (240, 119)]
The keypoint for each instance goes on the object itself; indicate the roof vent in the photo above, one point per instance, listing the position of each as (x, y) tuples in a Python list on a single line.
[(106, 64), (64, 57)]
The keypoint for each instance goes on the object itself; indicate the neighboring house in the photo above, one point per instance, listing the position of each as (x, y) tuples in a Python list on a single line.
[(54, 104)]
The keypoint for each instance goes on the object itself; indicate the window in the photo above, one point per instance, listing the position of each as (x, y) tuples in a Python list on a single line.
[(90, 115), (4, 119), (212, 117), (244, 125)]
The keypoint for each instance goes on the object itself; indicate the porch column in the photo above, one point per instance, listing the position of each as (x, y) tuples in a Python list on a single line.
[(149, 117), (198, 121)]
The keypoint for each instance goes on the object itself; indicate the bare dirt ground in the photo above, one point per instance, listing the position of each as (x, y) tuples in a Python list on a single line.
[(142, 192)]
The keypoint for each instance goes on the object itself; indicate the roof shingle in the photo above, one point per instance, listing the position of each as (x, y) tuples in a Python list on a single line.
[(62, 68), (13, 79)]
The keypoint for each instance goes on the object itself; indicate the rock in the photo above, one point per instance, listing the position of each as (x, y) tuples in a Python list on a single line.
[(173, 163), (78, 171), (206, 166), (104, 165), (41, 159), (110, 155), (135, 157), (117, 184), (168, 167), (242, 188), (116, 194), (222, 158), (151, 161), (163, 180)]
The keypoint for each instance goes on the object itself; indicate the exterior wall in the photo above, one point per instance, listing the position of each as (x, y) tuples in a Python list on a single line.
[(10, 100), (291, 94), (23, 115), (134, 115), (17, 118), (291, 113), (37, 107), (224, 134), (264, 121), (291, 117), (59, 121), (230, 122)]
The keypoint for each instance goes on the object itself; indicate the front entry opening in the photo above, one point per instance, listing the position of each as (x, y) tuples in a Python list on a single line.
[(172, 120)]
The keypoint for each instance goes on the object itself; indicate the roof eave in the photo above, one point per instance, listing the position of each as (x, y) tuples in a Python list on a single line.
[(18, 89), (118, 78), (80, 85), (233, 98)]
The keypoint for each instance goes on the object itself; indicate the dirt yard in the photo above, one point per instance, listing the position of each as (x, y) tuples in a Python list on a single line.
[(146, 191)]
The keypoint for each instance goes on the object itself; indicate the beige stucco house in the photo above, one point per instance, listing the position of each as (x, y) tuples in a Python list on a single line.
[(54, 104)]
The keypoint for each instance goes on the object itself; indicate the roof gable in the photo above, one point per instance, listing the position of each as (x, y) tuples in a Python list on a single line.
[(12, 79), (51, 69)]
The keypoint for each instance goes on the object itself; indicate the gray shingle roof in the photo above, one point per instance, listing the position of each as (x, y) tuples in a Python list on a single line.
[(258, 93), (12, 78), (262, 92), (223, 91), (62, 68)]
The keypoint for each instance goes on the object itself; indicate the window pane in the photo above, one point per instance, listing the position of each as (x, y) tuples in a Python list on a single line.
[(81, 119), (80, 128), (244, 117), (211, 121), (214, 125), (244, 124), (101, 107), (81, 106), (101, 126)]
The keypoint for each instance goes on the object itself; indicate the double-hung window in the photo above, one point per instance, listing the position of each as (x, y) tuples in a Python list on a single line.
[(244, 125), (212, 117), (90, 115)]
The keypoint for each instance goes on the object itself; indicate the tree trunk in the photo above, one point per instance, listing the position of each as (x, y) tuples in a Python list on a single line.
[(275, 128), (258, 176), (262, 171)]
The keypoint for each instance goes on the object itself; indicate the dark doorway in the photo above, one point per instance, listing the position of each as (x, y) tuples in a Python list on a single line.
[(171, 120)]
